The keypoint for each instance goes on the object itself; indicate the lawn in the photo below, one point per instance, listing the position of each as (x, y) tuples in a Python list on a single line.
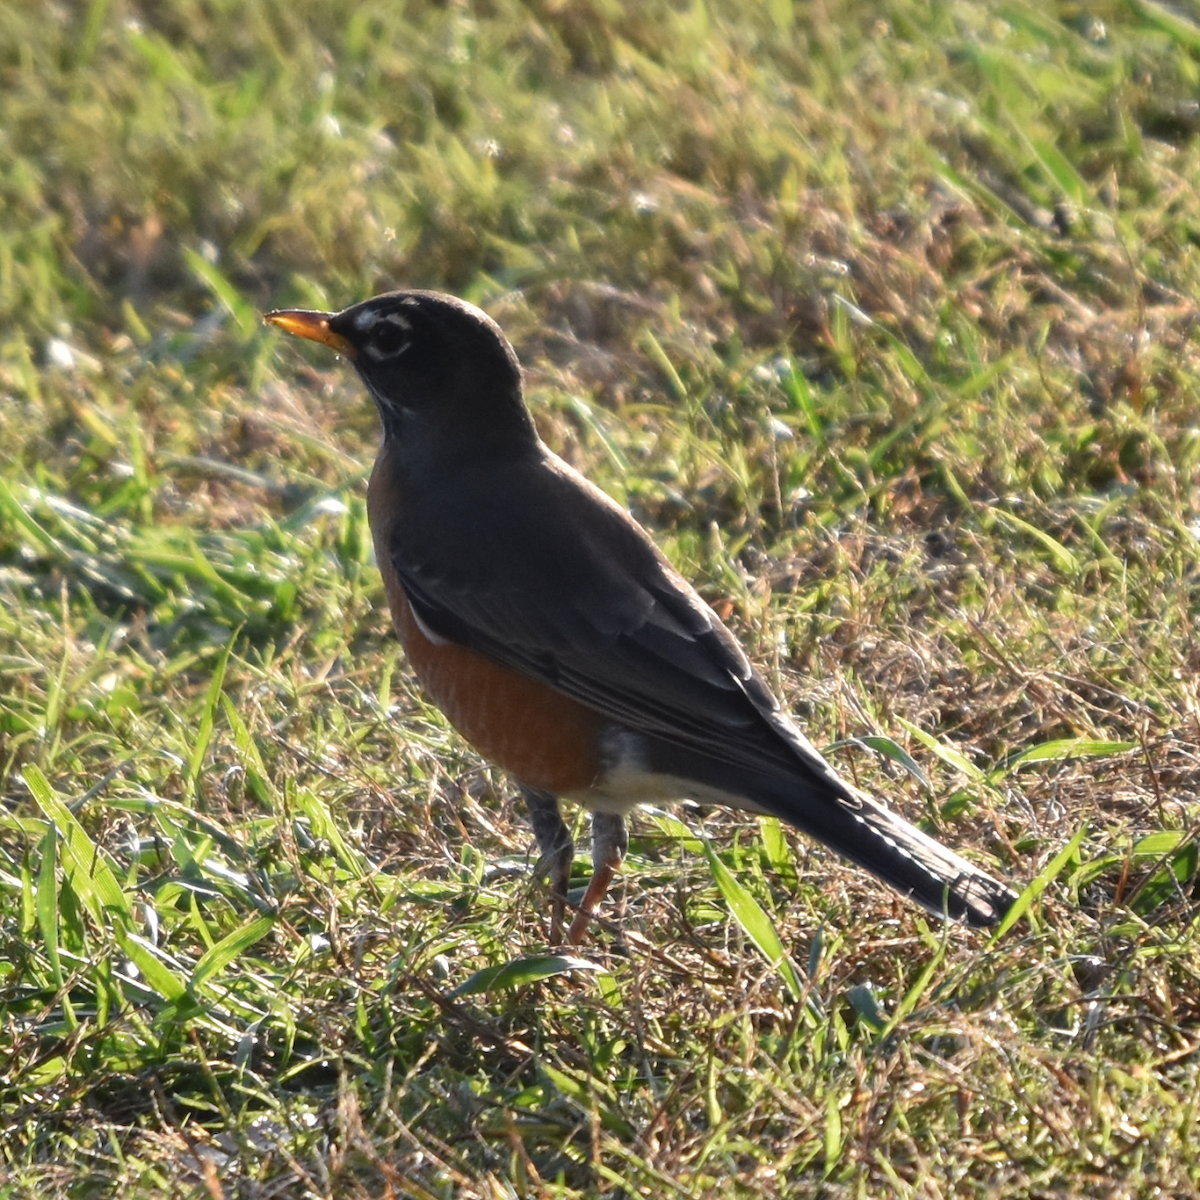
[(882, 317)]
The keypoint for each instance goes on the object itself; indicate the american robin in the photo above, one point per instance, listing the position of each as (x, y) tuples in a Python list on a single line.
[(555, 636)]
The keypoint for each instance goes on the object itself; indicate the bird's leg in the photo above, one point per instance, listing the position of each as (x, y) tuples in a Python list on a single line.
[(610, 840), (557, 852)]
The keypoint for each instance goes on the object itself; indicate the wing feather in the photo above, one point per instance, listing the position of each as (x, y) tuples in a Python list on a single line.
[(565, 587)]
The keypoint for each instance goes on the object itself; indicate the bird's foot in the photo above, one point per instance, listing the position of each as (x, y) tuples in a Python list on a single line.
[(557, 854), (610, 840)]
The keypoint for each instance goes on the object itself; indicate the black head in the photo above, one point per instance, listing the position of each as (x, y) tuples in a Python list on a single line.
[(437, 368)]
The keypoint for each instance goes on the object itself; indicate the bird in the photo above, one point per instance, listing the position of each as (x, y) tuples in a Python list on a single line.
[(557, 638)]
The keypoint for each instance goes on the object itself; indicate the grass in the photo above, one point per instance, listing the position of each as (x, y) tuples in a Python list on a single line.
[(881, 316)]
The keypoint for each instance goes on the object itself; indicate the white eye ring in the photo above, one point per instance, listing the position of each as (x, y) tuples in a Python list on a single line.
[(370, 326)]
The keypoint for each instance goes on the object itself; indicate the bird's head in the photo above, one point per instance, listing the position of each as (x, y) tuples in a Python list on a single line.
[(434, 365)]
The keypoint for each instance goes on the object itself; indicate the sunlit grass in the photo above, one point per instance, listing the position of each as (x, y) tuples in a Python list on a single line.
[(882, 318)]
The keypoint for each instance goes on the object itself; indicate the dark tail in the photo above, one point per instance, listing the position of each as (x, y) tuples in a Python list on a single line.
[(811, 796), (900, 855)]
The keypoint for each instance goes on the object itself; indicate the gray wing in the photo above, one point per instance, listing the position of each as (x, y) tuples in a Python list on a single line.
[(556, 581)]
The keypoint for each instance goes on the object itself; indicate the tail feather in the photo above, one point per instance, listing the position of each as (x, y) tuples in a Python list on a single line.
[(816, 800), (903, 857), (813, 798)]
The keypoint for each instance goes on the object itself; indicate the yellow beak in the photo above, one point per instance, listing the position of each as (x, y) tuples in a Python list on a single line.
[(314, 326)]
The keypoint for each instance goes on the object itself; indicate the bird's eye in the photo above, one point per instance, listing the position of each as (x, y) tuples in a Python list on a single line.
[(390, 338)]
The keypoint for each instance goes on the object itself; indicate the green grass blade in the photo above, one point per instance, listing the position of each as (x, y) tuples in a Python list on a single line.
[(754, 921), (1063, 559), (916, 992), (947, 754), (86, 865), (889, 749), (1039, 884), (47, 905), (1060, 749), (325, 826), (522, 972), (258, 778), (218, 957), (1171, 21), (87, 868), (155, 973), (776, 848), (204, 727), (245, 315)]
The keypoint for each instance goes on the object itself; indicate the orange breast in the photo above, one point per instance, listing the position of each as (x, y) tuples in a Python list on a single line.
[(541, 737)]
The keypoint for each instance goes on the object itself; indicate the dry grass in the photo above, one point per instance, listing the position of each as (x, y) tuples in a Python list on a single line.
[(881, 317)]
